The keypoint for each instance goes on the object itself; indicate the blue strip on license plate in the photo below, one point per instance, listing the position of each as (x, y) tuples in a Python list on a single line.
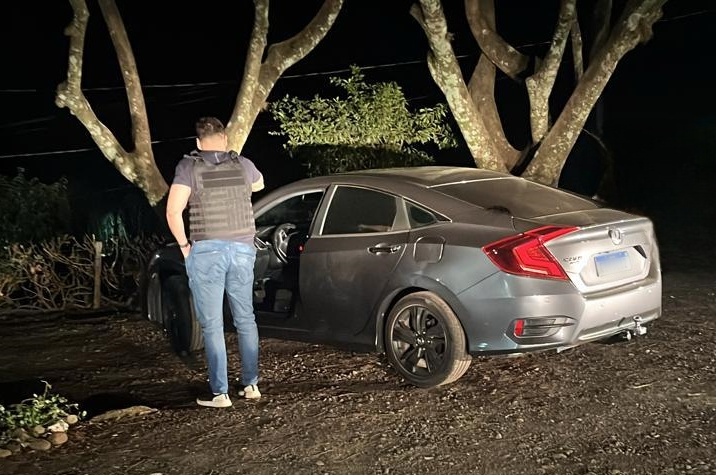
[(612, 262)]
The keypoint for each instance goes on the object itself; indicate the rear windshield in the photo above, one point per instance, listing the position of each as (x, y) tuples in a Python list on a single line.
[(520, 198)]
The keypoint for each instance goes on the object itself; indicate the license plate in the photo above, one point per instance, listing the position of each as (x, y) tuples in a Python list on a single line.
[(612, 262)]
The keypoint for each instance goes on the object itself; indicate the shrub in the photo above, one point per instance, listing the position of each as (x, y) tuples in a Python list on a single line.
[(40, 410), (31, 210), (372, 126)]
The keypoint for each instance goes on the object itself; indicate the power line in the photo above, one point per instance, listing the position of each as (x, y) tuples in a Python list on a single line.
[(685, 15), (285, 76), (314, 74), (290, 76), (88, 149)]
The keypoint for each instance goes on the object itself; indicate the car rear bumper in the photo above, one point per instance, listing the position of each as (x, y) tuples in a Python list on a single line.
[(493, 306)]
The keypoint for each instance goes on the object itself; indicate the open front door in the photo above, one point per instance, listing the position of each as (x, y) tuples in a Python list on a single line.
[(281, 231)]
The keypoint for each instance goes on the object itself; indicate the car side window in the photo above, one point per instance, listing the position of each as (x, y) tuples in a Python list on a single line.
[(359, 210), (419, 217), (298, 209)]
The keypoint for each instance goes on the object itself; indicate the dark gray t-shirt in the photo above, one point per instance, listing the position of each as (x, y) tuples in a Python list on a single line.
[(183, 174)]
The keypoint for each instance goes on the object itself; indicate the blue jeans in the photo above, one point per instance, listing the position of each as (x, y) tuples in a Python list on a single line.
[(214, 266)]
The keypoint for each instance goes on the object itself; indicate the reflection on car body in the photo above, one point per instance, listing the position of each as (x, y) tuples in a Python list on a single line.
[(432, 265)]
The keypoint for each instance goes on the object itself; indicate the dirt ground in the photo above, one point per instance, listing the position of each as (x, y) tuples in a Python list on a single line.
[(645, 406)]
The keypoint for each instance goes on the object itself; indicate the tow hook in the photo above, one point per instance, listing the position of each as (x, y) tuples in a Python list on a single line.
[(639, 330)]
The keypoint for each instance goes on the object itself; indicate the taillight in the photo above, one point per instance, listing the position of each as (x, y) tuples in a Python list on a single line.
[(525, 254)]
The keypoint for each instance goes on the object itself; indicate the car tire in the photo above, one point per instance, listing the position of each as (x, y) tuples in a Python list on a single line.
[(179, 319), (425, 342)]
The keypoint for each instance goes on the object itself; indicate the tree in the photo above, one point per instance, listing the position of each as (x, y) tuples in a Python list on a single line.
[(473, 103), (259, 77), (370, 127)]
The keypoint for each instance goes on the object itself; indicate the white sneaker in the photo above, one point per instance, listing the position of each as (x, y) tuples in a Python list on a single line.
[(214, 400), (250, 392)]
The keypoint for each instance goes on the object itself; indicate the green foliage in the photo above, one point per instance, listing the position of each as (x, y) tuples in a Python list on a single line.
[(370, 127), (31, 210), (39, 410)]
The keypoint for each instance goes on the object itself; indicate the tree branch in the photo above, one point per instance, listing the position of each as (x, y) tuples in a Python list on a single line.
[(602, 21), (69, 93), (446, 72), (481, 18), (138, 167), (130, 76), (577, 54), (482, 92), (633, 27), (539, 85), (252, 66), (281, 56)]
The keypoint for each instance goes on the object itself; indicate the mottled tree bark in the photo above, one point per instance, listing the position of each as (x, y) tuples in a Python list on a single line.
[(476, 112), (633, 27), (260, 77), (137, 166), (540, 84), (481, 16), (446, 72)]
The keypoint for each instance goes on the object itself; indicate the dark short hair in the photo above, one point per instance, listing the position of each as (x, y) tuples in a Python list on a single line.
[(208, 126)]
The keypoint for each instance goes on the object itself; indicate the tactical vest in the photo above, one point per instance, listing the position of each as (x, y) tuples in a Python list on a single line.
[(220, 205)]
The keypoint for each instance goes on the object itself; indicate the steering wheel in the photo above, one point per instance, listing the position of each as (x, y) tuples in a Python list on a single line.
[(279, 240)]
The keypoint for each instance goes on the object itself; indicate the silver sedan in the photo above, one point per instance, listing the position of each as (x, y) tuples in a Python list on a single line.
[(432, 265)]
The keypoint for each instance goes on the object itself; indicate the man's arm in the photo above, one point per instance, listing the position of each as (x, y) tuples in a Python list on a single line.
[(176, 202), (258, 184)]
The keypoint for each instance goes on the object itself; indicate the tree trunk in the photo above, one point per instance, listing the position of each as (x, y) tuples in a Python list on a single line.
[(540, 84), (633, 27), (481, 18), (260, 77), (137, 166), (476, 112), (446, 72)]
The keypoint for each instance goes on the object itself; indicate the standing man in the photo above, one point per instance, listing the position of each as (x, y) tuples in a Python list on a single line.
[(217, 184)]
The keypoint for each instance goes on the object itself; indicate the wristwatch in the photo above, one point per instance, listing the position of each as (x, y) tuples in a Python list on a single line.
[(187, 244)]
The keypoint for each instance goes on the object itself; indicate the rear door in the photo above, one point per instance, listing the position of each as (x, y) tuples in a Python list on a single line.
[(348, 261)]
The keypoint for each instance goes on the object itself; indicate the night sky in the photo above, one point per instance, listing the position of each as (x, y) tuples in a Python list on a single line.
[(659, 107)]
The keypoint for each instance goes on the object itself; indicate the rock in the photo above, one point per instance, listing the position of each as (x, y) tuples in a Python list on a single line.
[(19, 434), (57, 438), (38, 430), (39, 444), (5, 453), (116, 414), (59, 426), (72, 419)]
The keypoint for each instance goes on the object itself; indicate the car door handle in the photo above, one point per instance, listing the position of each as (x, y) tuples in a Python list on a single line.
[(384, 248)]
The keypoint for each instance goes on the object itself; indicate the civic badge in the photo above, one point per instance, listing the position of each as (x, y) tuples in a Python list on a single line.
[(615, 235)]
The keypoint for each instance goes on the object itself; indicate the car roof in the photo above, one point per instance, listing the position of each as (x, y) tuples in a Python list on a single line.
[(428, 176), (419, 184)]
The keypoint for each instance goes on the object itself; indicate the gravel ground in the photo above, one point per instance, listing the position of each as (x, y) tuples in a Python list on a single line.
[(645, 406)]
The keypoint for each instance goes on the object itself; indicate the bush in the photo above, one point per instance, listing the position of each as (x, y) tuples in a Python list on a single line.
[(370, 127), (41, 410), (31, 210)]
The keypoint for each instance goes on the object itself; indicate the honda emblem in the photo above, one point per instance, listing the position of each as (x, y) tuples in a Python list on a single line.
[(615, 235)]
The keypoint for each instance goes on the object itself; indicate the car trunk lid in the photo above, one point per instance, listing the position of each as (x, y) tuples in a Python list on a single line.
[(599, 256)]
